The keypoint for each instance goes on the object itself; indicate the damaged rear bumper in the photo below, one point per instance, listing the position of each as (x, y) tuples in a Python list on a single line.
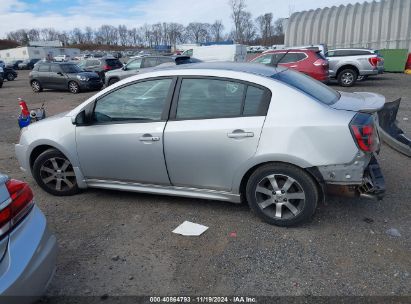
[(372, 186)]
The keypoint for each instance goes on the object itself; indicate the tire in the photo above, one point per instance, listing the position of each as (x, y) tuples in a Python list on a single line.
[(347, 77), (276, 207), (10, 77), (54, 173), (112, 81), (1, 82), (36, 86), (73, 87)]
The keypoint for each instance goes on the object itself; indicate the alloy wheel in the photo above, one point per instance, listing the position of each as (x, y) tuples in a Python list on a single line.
[(58, 174), (36, 86), (280, 196), (347, 78), (73, 87)]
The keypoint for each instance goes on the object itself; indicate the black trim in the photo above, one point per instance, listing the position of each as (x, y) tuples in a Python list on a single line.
[(164, 114), (266, 97)]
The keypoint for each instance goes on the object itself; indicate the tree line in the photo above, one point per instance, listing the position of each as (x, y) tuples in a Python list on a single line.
[(246, 30)]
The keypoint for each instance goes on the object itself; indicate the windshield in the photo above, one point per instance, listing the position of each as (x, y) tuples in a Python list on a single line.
[(308, 85), (71, 68)]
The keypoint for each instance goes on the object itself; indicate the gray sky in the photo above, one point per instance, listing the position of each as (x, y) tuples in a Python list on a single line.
[(67, 14)]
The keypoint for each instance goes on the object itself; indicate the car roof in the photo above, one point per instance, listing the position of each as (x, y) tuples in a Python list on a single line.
[(251, 68)]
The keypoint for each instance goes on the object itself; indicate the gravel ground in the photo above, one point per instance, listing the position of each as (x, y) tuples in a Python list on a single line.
[(120, 243)]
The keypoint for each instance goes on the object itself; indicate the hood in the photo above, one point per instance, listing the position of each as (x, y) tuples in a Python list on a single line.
[(48, 119), (359, 102), (114, 71)]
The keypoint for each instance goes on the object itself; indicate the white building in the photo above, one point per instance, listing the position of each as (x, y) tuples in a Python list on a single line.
[(31, 52)]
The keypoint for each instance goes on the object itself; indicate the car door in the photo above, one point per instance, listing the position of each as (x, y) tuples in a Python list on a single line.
[(149, 62), (214, 127), (57, 78), (125, 139)]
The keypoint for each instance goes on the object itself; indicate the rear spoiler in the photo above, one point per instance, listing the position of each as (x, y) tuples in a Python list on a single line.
[(389, 131)]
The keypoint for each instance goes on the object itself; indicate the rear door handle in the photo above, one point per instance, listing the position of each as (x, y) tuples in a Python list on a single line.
[(240, 134), (149, 138)]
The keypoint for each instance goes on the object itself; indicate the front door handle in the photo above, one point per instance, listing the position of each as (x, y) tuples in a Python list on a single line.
[(149, 138), (240, 134)]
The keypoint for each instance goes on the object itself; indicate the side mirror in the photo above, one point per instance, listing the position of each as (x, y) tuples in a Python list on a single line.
[(81, 119), (124, 68), (60, 73)]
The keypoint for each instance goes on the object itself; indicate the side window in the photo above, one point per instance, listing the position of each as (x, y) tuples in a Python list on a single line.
[(330, 54), (149, 62), (293, 57), (44, 68), (209, 98), (265, 59), (165, 59), (134, 65), (142, 101), (256, 103), (55, 68)]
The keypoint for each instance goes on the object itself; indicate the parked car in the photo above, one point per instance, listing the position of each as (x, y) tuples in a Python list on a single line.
[(100, 65), (1, 77), (27, 64), (346, 65), (9, 73), (214, 53), (61, 58), (2, 64), (27, 247), (14, 64), (63, 76), (309, 62), (138, 64), (220, 131)]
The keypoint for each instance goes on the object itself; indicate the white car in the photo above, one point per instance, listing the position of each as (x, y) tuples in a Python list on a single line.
[(270, 136), (61, 58)]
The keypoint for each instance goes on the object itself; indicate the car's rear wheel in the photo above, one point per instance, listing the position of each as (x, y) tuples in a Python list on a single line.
[(73, 87), (10, 77), (36, 86), (282, 194), (112, 81), (55, 174), (347, 77)]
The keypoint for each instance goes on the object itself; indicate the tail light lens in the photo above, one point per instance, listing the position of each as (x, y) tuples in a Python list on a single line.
[(321, 62), (21, 202), (364, 132), (374, 61), (106, 68)]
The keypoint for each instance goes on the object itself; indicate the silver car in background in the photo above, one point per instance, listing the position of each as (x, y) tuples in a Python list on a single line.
[(347, 65), (27, 248), (224, 131)]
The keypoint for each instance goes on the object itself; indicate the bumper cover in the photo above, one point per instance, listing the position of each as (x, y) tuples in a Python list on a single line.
[(372, 186), (30, 261)]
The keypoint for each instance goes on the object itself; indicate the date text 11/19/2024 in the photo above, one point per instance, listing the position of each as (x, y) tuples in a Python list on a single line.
[(203, 299)]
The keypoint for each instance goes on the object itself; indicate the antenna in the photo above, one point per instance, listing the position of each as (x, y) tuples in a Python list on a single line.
[(282, 57)]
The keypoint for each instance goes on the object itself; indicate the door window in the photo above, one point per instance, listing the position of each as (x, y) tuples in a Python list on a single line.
[(44, 68), (134, 65), (150, 62), (256, 102), (265, 59), (209, 98), (55, 68), (142, 101), (289, 57)]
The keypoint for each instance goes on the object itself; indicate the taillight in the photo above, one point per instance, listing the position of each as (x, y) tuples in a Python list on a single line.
[(106, 68), (321, 62), (364, 132), (21, 202), (373, 61)]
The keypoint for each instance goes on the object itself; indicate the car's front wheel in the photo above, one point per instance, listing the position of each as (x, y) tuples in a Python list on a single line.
[(36, 86), (282, 194), (55, 174), (73, 87), (10, 77), (112, 81)]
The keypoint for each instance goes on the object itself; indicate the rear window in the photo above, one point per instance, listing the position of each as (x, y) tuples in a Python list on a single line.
[(114, 63), (308, 85)]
